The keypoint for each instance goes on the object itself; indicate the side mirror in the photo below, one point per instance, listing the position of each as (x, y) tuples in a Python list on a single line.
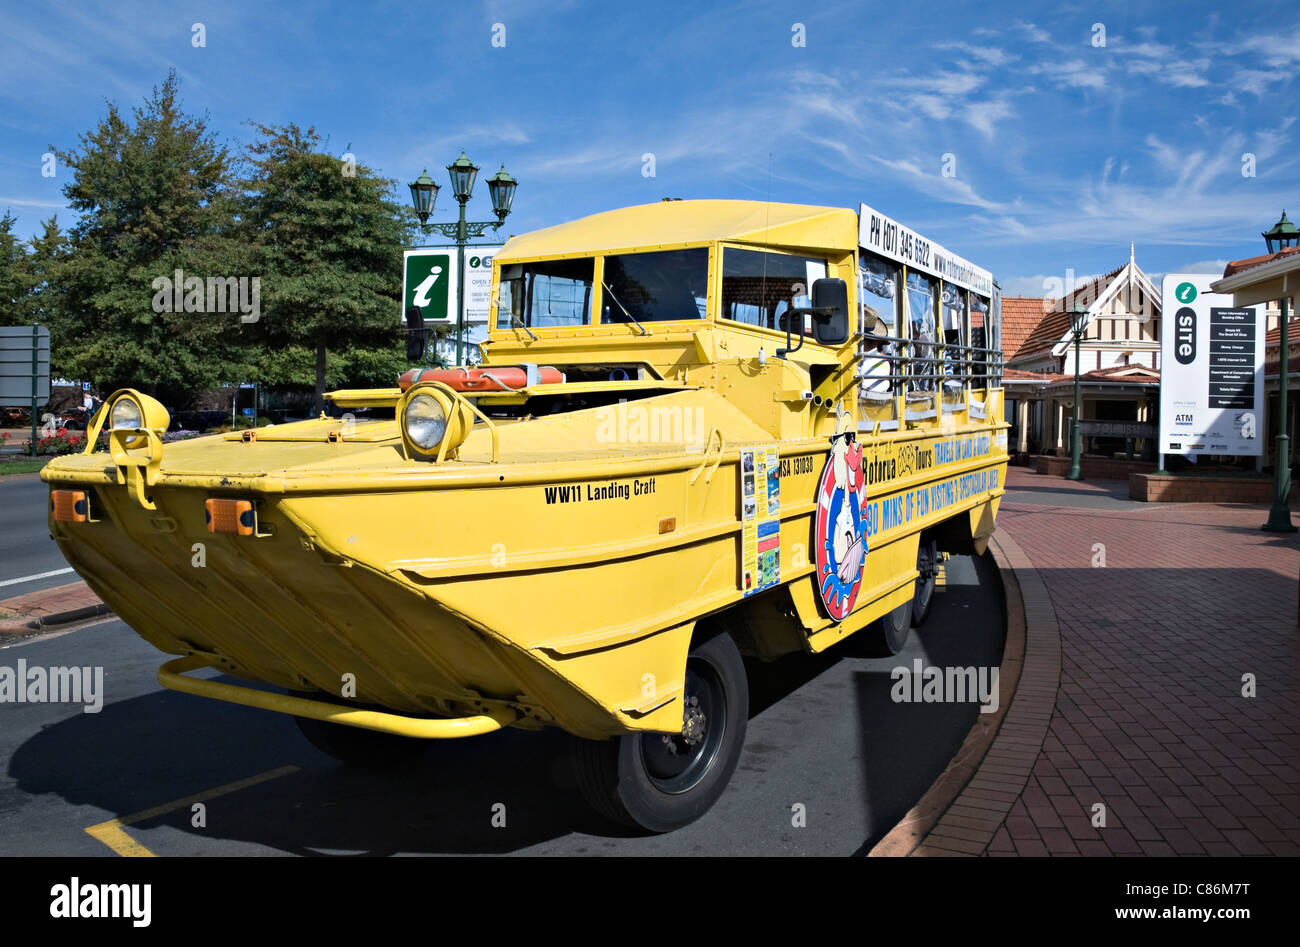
[(832, 296), (416, 333)]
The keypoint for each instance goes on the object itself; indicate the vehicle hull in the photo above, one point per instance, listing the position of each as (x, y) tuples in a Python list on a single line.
[(565, 590)]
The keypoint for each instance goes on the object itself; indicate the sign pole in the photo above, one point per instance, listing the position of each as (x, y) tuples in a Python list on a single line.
[(1279, 514), (462, 235), (1075, 473), (36, 347)]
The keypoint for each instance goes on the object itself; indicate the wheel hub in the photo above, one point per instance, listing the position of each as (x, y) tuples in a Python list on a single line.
[(694, 726), (694, 721), (927, 564), (676, 761)]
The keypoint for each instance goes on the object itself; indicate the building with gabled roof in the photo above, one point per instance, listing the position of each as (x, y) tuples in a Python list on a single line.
[(1270, 277), (1119, 361)]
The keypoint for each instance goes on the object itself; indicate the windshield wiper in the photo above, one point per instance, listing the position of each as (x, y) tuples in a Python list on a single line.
[(516, 321), (644, 330)]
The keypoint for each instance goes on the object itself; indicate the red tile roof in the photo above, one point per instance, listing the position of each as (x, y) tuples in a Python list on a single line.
[(1020, 316), (1240, 266), (1129, 374), (1120, 374), (1134, 369), (1274, 336), (1292, 368), (1041, 378)]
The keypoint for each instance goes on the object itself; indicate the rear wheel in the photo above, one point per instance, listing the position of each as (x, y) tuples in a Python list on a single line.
[(927, 564), (887, 634), (353, 746), (659, 781)]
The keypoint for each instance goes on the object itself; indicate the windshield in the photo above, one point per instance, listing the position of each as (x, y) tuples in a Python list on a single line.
[(653, 287), (546, 294)]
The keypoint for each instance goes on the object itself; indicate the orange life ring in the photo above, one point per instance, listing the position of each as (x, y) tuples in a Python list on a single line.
[(486, 378)]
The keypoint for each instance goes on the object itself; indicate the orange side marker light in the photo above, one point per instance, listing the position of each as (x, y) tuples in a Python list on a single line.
[(230, 517), (70, 506)]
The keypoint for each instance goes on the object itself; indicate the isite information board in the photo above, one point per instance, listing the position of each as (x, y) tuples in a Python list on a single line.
[(1211, 370)]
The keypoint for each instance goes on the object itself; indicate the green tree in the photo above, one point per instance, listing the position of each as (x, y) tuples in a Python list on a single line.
[(48, 252), (154, 191), (327, 242), (15, 276)]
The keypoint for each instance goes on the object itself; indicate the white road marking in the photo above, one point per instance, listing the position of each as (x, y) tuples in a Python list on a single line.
[(33, 578)]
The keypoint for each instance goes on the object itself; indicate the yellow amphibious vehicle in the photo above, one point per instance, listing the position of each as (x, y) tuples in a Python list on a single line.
[(702, 430)]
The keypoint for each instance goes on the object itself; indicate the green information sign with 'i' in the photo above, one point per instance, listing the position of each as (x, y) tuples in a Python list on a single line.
[(429, 281)]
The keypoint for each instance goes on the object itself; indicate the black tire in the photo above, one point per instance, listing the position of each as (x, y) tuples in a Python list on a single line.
[(660, 782), (353, 746), (886, 635), (927, 563)]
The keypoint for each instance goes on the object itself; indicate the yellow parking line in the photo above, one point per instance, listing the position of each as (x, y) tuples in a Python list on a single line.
[(111, 832)]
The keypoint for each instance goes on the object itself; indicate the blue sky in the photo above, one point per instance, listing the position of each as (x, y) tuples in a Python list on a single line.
[(1064, 151)]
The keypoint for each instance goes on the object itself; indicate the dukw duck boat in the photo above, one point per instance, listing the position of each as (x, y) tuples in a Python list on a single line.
[(700, 430)]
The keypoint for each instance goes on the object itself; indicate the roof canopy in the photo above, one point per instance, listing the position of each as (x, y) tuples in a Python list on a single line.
[(678, 222)]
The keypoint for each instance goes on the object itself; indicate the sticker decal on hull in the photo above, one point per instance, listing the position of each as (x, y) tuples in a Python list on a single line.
[(841, 545)]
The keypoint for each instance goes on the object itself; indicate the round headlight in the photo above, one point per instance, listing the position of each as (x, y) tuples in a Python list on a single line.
[(127, 415), (426, 422)]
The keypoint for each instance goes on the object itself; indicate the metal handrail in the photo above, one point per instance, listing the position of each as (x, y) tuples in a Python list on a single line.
[(983, 362)]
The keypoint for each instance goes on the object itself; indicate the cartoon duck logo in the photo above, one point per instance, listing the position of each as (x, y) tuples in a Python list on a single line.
[(840, 543)]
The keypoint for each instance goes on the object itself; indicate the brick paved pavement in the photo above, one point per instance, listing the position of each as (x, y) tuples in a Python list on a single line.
[(1151, 613), (1150, 720)]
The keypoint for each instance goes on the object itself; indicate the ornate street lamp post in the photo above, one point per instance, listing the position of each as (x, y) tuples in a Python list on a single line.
[(1282, 236), (1078, 326), (423, 194)]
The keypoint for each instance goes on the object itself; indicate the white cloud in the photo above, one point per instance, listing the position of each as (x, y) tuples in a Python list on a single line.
[(1075, 73), (1024, 285), (989, 55), (1034, 33), (983, 116), (1279, 51), (1201, 266), (1046, 287), (1255, 81), (28, 202)]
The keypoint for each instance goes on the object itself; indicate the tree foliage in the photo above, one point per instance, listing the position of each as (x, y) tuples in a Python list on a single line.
[(154, 192), (157, 192), (327, 240), (15, 276)]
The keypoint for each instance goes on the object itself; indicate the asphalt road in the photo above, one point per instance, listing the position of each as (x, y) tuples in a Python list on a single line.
[(823, 733), (26, 549)]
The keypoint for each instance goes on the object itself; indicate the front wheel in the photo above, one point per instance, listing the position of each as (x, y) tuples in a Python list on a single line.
[(662, 781), (927, 564)]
